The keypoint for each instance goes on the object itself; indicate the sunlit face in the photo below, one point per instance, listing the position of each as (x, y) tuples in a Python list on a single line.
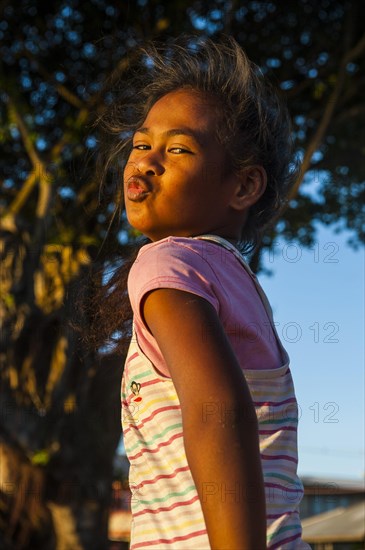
[(175, 180)]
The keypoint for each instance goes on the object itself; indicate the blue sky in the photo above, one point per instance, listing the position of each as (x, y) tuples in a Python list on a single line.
[(317, 298)]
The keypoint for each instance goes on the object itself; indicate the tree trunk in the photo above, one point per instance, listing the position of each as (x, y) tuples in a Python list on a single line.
[(60, 406)]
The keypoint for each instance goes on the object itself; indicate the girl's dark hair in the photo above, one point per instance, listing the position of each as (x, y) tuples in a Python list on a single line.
[(253, 127)]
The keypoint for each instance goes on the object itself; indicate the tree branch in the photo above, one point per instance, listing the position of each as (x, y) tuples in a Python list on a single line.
[(354, 111), (38, 174), (22, 195), (357, 50), (28, 144), (109, 81), (328, 113), (61, 88)]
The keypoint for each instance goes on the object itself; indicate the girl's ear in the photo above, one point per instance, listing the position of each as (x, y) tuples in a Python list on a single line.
[(251, 184)]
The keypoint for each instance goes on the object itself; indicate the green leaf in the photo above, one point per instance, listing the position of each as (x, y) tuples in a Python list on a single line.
[(41, 457)]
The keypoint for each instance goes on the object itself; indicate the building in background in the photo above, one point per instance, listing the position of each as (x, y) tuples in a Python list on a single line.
[(333, 514)]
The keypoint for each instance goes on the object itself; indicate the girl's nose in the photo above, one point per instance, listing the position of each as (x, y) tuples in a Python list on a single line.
[(150, 164)]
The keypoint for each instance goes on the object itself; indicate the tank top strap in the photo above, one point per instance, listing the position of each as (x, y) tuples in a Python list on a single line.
[(229, 246)]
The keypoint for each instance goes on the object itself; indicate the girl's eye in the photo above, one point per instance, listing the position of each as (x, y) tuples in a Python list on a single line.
[(178, 150), (141, 147)]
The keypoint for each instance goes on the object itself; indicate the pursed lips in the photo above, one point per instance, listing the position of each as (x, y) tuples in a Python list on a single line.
[(137, 188)]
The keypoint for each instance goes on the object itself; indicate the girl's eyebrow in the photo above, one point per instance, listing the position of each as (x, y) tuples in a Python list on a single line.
[(198, 136)]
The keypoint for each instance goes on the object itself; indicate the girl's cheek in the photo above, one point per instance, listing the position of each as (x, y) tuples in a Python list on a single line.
[(129, 168)]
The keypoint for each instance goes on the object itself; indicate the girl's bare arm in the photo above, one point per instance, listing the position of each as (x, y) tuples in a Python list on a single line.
[(219, 420)]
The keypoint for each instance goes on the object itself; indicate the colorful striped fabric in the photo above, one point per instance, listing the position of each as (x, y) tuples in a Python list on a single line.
[(166, 509), (165, 505)]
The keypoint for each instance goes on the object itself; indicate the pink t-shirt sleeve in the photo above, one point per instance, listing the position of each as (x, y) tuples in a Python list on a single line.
[(168, 264)]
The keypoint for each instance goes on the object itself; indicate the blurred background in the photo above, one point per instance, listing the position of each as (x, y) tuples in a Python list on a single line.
[(62, 468)]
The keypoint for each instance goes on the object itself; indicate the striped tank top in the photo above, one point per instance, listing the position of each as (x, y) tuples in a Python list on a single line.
[(166, 510)]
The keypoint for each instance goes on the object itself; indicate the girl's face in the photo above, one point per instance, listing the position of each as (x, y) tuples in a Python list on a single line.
[(175, 180)]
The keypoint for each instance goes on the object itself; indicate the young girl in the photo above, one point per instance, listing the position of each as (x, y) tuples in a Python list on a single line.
[(208, 407)]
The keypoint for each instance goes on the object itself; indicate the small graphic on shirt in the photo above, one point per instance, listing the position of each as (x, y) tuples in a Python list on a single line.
[(135, 387)]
